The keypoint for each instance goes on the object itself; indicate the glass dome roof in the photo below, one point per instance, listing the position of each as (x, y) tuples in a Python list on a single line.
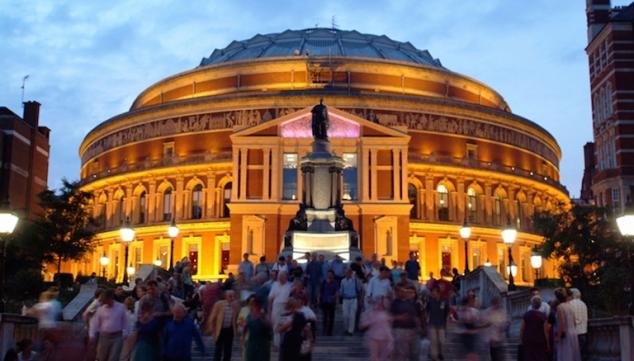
[(321, 42)]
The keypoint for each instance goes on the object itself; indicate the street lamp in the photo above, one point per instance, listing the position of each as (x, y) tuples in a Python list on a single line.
[(172, 232), (465, 233), (8, 221), (104, 260), (158, 262), (626, 227), (127, 235), (131, 270), (509, 233), (536, 262)]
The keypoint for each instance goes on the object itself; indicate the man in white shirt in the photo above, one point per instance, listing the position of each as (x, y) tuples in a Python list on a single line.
[(110, 323), (246, 267), (280, 266), (278, 298), (379, 287), (544, 308), (581, 317)]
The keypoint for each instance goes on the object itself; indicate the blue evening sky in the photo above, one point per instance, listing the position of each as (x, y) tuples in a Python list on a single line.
[(87, 60)]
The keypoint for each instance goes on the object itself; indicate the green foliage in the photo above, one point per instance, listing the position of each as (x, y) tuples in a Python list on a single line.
[(591, 252), (67, 225)]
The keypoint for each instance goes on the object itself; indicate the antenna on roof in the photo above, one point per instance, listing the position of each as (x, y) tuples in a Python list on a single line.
[(24, 78), (333, 23)]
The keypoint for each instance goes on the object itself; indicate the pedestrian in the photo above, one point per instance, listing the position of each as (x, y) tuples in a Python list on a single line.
[(338, 268), (262, 267), (178, 334), (110, 323), (581, 318), (405, 325), (280, 266), (329, 289), (147, 331), (277, 300), (259, 331), (470, 324), (295, 271), (313, 274), (128, 343), (431, 282), (395, 272), (378, 331), (566, 334), (246, 267), (349, 291), (296, 341), (497, 319), (25, 350), (379, 287), (241, 322), (325, 267), (188, 282), (412, 268), (159, 301), (222, 325), (544, 308), (358, 268), (534, 333), (438, 312)]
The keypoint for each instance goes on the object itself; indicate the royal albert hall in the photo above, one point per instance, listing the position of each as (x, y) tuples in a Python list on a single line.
[(216, 150)]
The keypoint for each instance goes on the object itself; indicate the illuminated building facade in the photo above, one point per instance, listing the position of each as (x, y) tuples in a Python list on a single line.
[(217, 149)]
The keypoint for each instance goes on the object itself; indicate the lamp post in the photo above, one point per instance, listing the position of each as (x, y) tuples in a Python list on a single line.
[(465, 233), (104, 260), (626, 227), (172, 232), (536, 262), (8, 221), (509, 233), (127, 235)]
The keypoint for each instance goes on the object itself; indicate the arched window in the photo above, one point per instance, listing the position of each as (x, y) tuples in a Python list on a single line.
[(197, 202), (443, 202), (412, 193), (142, 207), (168, 200), (226, 199), (472, 205)]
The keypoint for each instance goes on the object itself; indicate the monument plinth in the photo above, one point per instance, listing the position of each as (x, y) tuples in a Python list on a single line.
[(320, 225)]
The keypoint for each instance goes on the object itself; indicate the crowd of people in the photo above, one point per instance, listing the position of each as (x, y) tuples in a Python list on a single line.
[(273, 308)]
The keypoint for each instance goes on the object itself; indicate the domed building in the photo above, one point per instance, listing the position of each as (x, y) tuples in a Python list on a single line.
[(215, 150)]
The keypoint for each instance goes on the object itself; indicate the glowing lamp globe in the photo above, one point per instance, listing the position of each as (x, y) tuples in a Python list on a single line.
[(158, 262), (172, 230), (626, 225), (465, 231), (131, 270), (127, 233), (536, 261), (509, 234), (512, 269), (488, 263), (8, 221), (104, 261)]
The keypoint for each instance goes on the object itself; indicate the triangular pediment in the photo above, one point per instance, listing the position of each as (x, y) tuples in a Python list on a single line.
[(298, 125)]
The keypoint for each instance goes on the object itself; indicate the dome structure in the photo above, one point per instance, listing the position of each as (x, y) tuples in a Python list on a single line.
[(321, 42)]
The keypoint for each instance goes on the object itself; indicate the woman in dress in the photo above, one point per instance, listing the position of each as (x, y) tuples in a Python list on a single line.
[(378, 334), (534, 333), (566, 336), (258, 329), (147, 334)]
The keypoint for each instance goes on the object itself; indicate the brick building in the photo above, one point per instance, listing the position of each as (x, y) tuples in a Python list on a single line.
[(611, 64), (24, 152)]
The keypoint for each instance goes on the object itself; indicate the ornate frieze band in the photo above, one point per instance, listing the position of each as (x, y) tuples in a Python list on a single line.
[(243, 118)]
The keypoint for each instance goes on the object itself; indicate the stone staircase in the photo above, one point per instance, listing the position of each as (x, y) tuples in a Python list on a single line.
[(352, 348)]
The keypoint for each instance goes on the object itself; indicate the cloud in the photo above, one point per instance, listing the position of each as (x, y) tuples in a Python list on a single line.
[(89, 60)]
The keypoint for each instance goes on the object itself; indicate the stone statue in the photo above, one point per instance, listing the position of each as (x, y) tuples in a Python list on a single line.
[(297, 223), (342, 223), (320, 121)]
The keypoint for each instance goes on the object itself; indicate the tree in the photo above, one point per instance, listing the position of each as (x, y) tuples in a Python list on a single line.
[(66, 226), (591, 254)]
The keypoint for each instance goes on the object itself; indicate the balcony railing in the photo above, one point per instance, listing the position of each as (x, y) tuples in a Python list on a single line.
[(477, 164), (190, 159)]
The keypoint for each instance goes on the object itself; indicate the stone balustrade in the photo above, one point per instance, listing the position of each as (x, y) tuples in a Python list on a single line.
[(487, 284), (611, 339), (14, 328)]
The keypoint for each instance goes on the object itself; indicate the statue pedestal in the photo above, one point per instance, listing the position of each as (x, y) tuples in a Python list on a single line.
[(328, 244)]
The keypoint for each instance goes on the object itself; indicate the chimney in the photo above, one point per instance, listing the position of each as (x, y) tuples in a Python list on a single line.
[(32, 113), (598, 14)]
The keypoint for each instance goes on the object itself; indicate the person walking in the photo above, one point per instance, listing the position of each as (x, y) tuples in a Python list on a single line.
[(258, 329), (581, 318), (277, 300), (147, 334), (313, 273), (295, 331), (246, 267), (405, 325), (497, 320), (262, 267), (437, 311), (349, 291), (339, 268), (378, 331), (222, 325), (534, 333), (110, 323), (544, 308), (566, 336), (178, 335), (379, 287), (412, 268), (329, 289)]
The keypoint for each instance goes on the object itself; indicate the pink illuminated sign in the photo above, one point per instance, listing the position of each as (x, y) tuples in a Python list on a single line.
[(339, 128)]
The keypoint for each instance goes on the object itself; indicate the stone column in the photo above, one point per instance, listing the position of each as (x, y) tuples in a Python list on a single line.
[(396, 187), (364, 172), (129, 210), (373, 174), (243, 173), (429, 197), (275, 173), (488, 208), (235, 169), (210, 195), (180, 197), (109, 209), (151, 202), (461, 203), (265, 174), (403, 165)]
